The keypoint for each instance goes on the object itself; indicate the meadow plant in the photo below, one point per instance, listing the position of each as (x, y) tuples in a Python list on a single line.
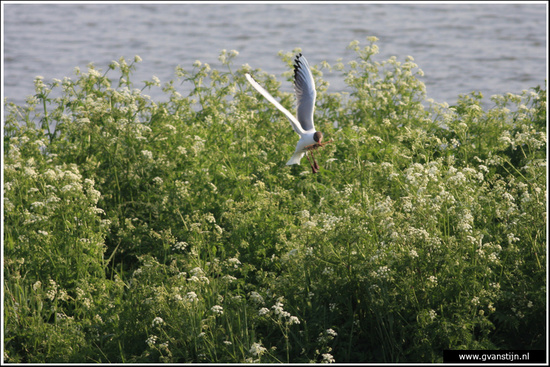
[(145, 231)]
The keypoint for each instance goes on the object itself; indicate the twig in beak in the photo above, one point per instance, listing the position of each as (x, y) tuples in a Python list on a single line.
[(317, 145)]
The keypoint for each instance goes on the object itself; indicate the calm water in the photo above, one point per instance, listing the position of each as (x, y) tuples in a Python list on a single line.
[(492, 48)]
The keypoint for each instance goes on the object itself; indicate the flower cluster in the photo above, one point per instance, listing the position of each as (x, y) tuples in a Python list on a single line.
[(176, 225)]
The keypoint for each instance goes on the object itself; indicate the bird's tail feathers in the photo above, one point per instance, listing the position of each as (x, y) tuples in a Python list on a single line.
[(296, 158)]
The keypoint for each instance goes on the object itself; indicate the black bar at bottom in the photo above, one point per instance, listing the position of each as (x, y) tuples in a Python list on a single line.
[(494, 356)]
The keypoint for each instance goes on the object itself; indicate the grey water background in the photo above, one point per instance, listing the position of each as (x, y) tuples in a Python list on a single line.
[(492, 48)]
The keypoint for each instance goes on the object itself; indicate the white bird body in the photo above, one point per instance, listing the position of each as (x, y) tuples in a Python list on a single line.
[(304, 87), (305, 140)]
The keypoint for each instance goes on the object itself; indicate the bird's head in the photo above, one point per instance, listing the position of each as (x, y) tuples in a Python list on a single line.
[(318, 137)]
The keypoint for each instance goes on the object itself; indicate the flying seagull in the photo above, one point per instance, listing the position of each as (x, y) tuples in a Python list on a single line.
[(304, 86)]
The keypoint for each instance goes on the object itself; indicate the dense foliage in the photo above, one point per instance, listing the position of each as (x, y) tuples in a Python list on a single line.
[(143, 231)]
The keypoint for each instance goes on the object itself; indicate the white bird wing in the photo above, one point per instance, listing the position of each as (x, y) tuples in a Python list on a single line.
[(293, 121), (304, 86)]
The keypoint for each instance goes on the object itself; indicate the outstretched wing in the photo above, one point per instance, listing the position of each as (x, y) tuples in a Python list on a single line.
[(293, 121), (304, 86)]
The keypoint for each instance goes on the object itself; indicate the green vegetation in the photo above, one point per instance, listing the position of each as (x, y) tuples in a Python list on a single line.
[(143, 231)]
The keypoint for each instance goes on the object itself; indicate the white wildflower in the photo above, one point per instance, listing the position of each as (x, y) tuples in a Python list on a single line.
[(217, 309), (293, 320), (512, 238), (256, 298), (257, 349), (328, 358), (493, 257), (197, 271), (278, 310), (180, 246), (210, 218), (147, 154), (309, 224), (229, 278), (192, 297), (157, 321), (383, 271), (94, 73), (151, 341), (218, 229), (63, 295), (235, 262)]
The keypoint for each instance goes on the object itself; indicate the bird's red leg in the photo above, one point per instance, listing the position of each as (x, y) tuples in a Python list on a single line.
[(310, 164), (315, 165)]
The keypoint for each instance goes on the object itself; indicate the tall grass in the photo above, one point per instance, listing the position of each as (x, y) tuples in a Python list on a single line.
[(144, 231)]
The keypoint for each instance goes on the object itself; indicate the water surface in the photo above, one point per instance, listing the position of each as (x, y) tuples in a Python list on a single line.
[(492, 48)]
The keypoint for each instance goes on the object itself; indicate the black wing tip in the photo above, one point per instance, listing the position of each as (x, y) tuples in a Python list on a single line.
[(297, 62)]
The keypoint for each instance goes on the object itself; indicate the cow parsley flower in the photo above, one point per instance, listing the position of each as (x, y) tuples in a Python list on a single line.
[(217, 309), (192, 297), (151, 341), (229, 278), (157, 321), (235, 262), (293, 320), (327, 358), (256, 298), (257, 349), (180, 246)]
